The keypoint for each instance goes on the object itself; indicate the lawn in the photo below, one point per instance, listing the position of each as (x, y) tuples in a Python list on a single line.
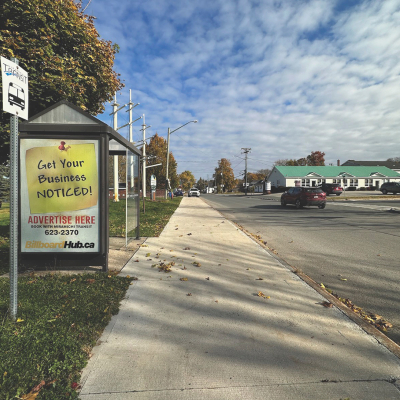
[(152, 221), (60, 317)]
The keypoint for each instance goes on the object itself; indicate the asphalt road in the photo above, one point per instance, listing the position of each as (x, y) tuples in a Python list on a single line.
[(352, 247)]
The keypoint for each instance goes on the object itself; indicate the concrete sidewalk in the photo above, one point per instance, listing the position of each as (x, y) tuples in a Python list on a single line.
[(236, 325)]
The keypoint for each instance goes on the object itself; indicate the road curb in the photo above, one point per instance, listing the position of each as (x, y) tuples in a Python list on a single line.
[(379, 336)]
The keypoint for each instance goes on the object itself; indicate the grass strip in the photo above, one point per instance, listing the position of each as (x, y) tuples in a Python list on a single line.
[(60, 317), (152, 221)]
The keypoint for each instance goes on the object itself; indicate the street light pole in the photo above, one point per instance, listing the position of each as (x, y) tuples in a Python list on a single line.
[(166, 172)]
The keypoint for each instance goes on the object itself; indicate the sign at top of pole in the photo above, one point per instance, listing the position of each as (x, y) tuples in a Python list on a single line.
[(15, 88)]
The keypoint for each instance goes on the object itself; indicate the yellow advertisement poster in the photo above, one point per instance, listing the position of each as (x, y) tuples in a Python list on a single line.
[(61, 178), (60, 195)]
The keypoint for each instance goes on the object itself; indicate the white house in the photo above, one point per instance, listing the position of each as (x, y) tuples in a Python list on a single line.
[(347, 176)]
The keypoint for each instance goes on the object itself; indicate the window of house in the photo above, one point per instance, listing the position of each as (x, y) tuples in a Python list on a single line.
[(353, 182), (368, 182)]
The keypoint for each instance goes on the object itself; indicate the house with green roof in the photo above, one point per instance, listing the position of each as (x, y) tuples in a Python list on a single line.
[(348, 177)]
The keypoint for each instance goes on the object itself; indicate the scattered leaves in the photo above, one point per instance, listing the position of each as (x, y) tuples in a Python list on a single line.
[(374, 319)]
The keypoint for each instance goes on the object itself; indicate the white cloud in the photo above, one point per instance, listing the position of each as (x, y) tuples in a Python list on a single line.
[(285, 78)]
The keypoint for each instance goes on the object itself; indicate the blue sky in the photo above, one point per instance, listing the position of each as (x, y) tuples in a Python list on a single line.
[(282, 77)]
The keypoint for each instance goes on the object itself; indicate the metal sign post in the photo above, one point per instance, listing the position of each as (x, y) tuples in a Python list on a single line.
[(15, 102), (13, 216)]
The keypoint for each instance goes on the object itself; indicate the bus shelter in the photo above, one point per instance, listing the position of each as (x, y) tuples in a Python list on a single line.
[(63, 188)]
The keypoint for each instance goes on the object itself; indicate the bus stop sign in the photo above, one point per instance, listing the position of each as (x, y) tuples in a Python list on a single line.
[(15, 88)]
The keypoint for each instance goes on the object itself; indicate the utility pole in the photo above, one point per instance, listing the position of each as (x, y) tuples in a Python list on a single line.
[(116, 178), (246, 150)]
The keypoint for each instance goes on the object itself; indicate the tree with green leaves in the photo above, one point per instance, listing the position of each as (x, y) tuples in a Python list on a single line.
[(187, 180), (157, 149), (201, 184), (63, 54), (224, 175)]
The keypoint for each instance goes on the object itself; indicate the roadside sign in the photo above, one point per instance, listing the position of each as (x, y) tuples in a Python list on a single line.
[(15, 88), (153, 182)]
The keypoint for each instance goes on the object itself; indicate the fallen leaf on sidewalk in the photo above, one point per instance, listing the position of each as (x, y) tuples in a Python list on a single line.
[(183, 279), (327, 304), (196, 264), (259, 279), (343, 279), (189, 234), (148, 254), (189, 294), (186, 248), (208, 278), (261, 294)]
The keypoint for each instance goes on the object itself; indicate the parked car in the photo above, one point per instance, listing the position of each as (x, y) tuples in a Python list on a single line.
[(178, 192), (304, 196), (332, 188), (387, 187), (194, 192)]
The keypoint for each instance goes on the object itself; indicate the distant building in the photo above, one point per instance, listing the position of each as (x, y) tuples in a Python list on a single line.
[(395, 166), (353, 177)]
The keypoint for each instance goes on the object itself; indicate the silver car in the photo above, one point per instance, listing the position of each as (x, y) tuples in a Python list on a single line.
[(194, 192)]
